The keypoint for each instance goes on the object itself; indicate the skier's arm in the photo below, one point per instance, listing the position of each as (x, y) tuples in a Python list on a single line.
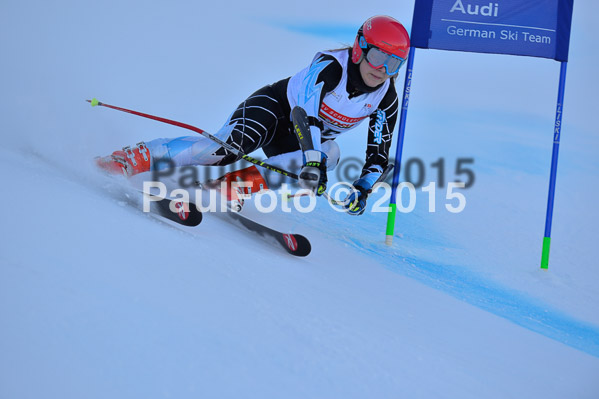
[(380, 133), (323, 76)]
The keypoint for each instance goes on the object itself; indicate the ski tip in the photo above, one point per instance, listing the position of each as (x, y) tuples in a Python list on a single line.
[(94, 102)]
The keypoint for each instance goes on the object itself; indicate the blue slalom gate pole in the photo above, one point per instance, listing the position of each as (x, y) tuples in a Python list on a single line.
[(399, 148), (556, 138)]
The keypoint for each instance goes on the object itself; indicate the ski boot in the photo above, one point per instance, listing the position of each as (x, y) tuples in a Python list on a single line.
[(128, 162), (235, 194)]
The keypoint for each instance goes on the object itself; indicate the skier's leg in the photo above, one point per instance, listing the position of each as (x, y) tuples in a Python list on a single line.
[(252, 125), (189, 150), (160, 154)]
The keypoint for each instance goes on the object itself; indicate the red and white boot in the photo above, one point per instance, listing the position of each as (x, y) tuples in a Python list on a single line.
[(128, 162), (235, 193)]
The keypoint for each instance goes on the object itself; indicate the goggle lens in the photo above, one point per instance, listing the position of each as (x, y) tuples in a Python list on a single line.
[(378, 58)]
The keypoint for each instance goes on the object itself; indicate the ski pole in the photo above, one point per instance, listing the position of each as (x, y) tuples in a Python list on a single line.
[(94, 102)]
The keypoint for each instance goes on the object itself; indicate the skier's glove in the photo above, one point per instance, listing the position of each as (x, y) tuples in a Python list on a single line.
[(313, 175), (356, 199)]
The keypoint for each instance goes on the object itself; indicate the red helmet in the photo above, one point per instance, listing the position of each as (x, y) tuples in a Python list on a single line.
[(383, 32)]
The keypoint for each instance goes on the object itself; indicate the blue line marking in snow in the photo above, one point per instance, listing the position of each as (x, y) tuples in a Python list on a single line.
[(461, 283), (509, 304), (343, 32)]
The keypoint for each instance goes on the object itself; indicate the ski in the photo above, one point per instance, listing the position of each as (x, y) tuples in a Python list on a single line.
[(294, 244), (187, 214)]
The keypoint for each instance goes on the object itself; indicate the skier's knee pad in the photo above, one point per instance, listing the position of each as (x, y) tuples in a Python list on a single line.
[(333, 153)]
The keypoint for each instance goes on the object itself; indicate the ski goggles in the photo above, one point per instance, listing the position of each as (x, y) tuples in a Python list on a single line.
[(377, 58)]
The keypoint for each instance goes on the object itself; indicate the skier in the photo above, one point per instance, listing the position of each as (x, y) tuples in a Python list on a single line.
[(338, 90)]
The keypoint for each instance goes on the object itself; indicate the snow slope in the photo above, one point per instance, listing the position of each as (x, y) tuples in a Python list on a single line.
[(100, 300)]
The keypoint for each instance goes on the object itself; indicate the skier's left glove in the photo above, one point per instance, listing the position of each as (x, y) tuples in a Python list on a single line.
[(356, 199), (313, 175)]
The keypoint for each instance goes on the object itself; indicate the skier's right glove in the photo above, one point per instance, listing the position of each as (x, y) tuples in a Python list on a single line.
[(313, 175), (356, 199)]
